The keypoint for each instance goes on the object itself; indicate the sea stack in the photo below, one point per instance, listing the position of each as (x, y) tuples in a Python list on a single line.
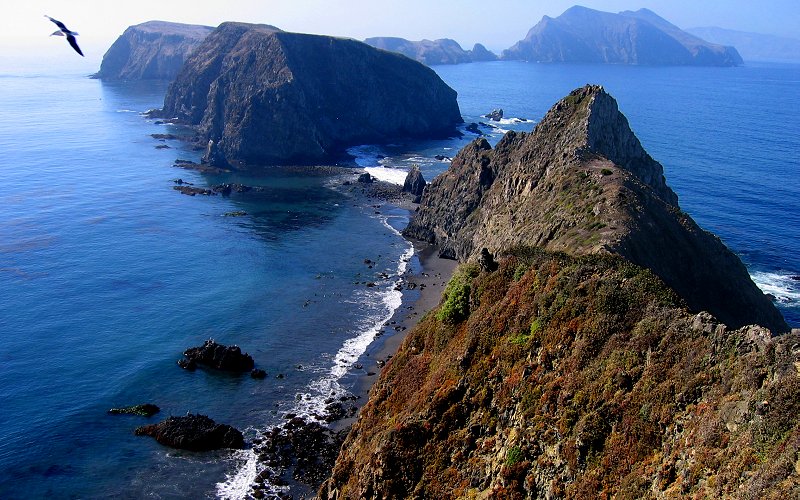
[(582, 183), (155, 50), (269, 97)]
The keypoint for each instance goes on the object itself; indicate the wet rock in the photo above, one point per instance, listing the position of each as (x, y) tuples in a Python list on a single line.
[(473, 127), (415, 183), (220, 357), (365, 178), (495, 115), (192, 191), (194, 433), (258, 373)]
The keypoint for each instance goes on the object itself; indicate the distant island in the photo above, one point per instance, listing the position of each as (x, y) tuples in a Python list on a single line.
[(753, 46), (585, 35), (155, 50), (261, 96), (433, 52)]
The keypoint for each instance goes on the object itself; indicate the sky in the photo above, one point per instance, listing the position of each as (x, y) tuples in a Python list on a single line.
[(497, 24)]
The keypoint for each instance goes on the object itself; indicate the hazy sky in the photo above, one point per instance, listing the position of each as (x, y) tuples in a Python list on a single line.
[(497, 24)]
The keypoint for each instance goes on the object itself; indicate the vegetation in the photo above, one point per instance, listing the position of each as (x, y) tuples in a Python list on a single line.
[(579, 378)]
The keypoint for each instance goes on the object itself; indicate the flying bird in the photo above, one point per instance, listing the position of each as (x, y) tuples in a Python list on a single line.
[(64, 31)]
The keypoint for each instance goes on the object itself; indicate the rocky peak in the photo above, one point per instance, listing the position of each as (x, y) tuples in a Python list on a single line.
[(582, 183), (589, 123)]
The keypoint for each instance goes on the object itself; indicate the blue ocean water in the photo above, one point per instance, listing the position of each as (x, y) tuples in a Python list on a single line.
[(107, 274)]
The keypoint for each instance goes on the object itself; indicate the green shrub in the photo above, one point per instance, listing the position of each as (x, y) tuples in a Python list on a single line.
[(514, 456), (456, 296), (606, 171)]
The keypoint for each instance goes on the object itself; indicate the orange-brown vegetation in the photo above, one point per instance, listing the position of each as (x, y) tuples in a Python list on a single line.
[(577, 377)]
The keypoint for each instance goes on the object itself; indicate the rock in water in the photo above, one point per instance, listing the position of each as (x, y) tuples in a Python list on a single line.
[(269, 97), (582, 183), (496, 115), (155, 50), (218, 356), (415, 183), (144, 410), (194, 433)]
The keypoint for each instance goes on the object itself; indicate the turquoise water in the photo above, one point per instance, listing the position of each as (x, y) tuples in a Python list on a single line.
[(107, 274)]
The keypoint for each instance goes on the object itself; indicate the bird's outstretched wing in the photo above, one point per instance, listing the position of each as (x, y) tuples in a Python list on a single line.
[(58, 23), (74, 43)]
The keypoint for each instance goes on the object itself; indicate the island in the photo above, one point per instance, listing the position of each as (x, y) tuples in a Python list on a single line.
[(433, 52), (155, 50), (583, 35), (260, 96)]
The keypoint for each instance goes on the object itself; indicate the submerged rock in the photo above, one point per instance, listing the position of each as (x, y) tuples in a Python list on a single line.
[(193, 432), (144, 410)]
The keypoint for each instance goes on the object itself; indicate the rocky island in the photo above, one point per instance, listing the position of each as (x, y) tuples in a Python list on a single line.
[(432, 52), (155, 50), (570, 361), (642, 37), (260, 96)]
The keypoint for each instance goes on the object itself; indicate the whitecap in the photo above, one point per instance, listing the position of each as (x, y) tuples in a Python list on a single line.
[(782, 286), (388, 174)]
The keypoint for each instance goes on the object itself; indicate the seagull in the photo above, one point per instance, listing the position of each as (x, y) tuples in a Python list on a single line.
[(64, 31)]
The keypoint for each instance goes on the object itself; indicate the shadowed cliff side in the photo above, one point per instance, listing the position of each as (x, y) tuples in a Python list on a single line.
[(582, 183), (155, 50), (576, 377), (269, 97)]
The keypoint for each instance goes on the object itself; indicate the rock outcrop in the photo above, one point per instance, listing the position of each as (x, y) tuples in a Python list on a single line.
[(575, 377), (217, 356), (194, 433), (268, 97), (415, 183), (433, 52), (155, 50), (582, 183), (589, 36)]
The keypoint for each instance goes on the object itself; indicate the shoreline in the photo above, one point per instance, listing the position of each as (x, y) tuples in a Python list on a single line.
[(428, 283)]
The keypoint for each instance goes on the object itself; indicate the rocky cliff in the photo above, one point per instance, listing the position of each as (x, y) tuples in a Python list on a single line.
[(582, 183), (265, 96), (155, 50), (641, 37), (432, 52), (576, 377)]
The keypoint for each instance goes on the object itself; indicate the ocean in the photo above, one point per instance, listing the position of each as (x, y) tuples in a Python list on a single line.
[(107, 273)]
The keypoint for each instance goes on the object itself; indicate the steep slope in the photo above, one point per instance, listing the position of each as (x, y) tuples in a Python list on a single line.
[(155, 50), (432, 52), (590, 36), (267, 97), (582, 183), (564, 377)]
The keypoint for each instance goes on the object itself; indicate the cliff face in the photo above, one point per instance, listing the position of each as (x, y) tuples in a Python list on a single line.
[(563, 377), (640, 37), (432, 52), (269, 97), (582, 183), (155, 50)]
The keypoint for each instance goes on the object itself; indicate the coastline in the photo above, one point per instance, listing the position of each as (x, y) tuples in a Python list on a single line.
[(427, 284)]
